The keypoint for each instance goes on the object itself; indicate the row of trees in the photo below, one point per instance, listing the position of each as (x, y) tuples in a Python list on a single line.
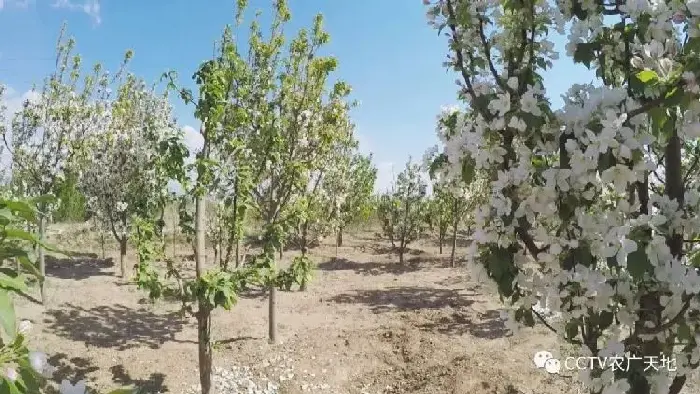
[(408, 211), (593, 208), (278, 149)]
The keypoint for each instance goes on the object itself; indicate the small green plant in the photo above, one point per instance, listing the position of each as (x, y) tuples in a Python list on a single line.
[(22, 371), (300, 272)]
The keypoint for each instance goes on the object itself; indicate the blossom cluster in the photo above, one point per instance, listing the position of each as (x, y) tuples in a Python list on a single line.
[(587, 210)]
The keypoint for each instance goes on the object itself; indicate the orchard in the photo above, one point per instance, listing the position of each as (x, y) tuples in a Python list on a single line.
[(275, 256)]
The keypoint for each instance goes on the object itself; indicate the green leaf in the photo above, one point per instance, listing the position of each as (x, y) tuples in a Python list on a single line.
[(647, 75), (684, 332), (8, 387), (638, 264), (468, 170), (16, 283), (28, 265), (29, 377), (585, 53), (695, 259), (15, 233), (606, 319), (8, 320), (22, 209)]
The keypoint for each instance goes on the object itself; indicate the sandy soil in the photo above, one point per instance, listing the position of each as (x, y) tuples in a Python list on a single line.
[(365, 325)]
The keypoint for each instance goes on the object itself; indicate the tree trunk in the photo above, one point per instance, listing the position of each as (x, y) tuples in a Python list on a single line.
[(205, 350), (234, 235), (42, 257), (281, 251), (238, 251), (272, 315), (441, 239), (304, 250), (339, 238), (102, 245), (402, 248), (122, 256), (203, 312), (454, 244)]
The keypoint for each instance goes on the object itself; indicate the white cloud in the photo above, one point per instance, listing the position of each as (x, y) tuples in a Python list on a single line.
[(89, 7), (386, 173), (365, 143), (193, 139), (15, 3)]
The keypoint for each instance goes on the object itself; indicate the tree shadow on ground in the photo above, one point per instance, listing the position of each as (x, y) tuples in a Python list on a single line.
[(115, 326), (253, 293), (378, 248), (78, 268), (236, 339), (370, 268), (459, 280), (72, 369), (405, 299), (488, 325), (154, 383), (439, 261), (364, 236)]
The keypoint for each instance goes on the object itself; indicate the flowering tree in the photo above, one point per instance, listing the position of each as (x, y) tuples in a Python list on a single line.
[(318, 206), (48, 132), (297, 120), (455, 199), (351, 186), (402, 212), (592, 208), (229, 105), (122, 177)]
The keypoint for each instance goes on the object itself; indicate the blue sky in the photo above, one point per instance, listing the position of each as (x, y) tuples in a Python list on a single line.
[(386, 50)]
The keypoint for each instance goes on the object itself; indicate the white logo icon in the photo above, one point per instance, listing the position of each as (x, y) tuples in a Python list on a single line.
[(544, 359), (552, 366), (541, 358)]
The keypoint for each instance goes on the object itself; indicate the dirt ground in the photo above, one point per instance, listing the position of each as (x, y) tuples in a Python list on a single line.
[(365, 325)]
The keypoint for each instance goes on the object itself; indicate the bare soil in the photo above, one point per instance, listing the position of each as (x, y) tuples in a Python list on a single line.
[(366, 324)]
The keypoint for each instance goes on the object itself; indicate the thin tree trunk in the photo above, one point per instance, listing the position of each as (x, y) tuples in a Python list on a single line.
[(102, 245), (233, 235), (304, 250), (174, 239), (272, 315), (675, 190), (402, 248), (454, 244), (42, 257), (122, 256), (238, 251), (336, 248), (441, 239), (203, 312), (205, 350), (455, 224), (216, 253), (339, 238), (272, 300)]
